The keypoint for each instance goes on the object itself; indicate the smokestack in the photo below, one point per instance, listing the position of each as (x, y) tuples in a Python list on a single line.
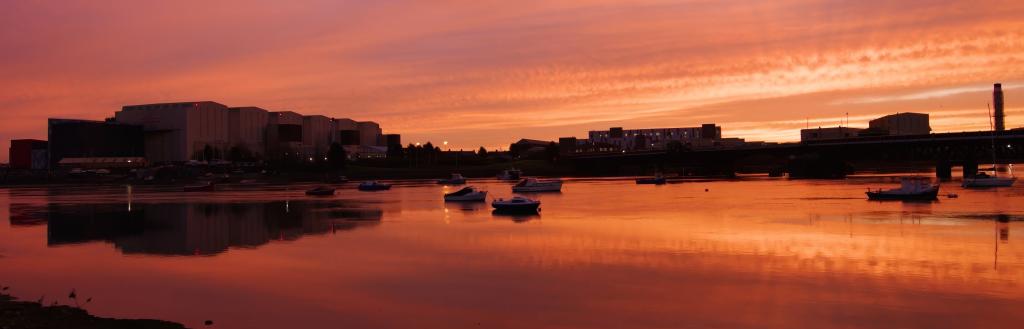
[(997, 102)]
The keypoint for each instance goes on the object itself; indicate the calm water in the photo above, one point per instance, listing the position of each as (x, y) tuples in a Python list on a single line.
[(752, 252)]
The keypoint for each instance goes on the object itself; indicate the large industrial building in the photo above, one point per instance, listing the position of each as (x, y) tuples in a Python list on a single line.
[(901, 124), (28, 154), (87, 139), (178, 132), (898, 124), (203, 131), (657, 138)]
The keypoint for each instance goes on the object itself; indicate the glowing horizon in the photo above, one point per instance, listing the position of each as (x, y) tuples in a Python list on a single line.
[(478, 73)]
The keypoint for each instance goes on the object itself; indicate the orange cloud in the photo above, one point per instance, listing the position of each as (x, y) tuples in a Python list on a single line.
[(485, 73)]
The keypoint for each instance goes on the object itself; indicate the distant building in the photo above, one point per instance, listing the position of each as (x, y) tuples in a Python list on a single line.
[(316, 135), (28, 154), (178, 132), (829, 133), (571, 145), (656, 138), (525, 148), (902, 124), (183, 131), (284, 135), (247, 132), (93, 139), (369, 133)]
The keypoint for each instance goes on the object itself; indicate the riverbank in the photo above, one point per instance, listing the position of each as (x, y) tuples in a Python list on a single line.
[(535, 168), (16, 314)]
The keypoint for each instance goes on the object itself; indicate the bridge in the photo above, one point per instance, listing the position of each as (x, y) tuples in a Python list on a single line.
[(820, 159)]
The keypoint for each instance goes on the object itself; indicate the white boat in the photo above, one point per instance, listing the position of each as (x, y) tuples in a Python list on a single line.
[(516, 205), (984, 180), (911, 188), (467, 193), (510, 174), (374, 186), (535, 185), (456, 179)]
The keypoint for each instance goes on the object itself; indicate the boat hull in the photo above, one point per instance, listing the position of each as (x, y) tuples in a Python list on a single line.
[(988, 182), (650, 181), (476, 197), (517, 208), (326, 192), (884, 196), (374, 187), (451, 181), (203, 188), (539, 187)]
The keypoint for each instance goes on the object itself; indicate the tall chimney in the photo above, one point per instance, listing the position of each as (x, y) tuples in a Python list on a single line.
[(997, 102)]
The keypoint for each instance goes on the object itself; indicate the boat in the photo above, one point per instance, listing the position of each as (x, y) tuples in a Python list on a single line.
[(516, 205), (320, 191), (535, 185), (208, 187), (456, 179), (911, 188), (467, 193), (510, 174), (373, 185), (337, 179), (982, 179), (658, 179)]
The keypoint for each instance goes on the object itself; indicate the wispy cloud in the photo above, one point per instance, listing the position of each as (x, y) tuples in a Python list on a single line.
[(487, 72)]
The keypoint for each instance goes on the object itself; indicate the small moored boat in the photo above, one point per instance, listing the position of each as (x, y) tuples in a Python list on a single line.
[(911, 188), (510, 174), (516, 205), (982, 179), (456, 179), (535, 185), (208, 187), (374, 186), (658, 179), (467, 193), (320, 191)]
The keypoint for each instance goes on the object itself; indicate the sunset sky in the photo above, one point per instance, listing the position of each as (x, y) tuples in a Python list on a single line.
[(489, 72)]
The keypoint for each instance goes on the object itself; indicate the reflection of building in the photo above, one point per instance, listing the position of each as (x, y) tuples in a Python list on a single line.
[(93, 139), (197, 229), (28, 154), (178, 132)]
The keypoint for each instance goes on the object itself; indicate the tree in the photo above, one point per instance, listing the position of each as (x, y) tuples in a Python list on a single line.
[(336, 156), (551, 151), (482, 152), (208, 153)]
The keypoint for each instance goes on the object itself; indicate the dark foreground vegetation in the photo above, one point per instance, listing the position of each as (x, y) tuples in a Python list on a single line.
[(16, 314)]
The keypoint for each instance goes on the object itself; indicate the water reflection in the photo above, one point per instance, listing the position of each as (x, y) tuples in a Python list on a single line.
[(194, 228)]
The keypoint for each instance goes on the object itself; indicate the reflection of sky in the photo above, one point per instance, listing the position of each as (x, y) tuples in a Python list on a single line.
[(485, 73), (604, 253)]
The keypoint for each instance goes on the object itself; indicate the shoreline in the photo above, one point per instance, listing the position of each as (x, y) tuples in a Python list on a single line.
[(17, 314)]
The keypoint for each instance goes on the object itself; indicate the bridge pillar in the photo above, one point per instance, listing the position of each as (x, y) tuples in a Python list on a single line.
[(943, 170), (970, 169)]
